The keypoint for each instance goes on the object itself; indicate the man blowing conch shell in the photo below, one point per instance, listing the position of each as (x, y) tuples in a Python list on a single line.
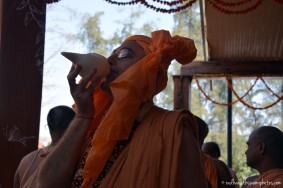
[(118, 137)]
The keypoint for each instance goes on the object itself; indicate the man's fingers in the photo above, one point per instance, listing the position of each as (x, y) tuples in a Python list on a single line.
[(74, 72), (88, 78), (93, 84), (72, 76), (85, 84)]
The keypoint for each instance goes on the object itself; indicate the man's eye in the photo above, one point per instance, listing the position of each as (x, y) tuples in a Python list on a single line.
[(123, 53)]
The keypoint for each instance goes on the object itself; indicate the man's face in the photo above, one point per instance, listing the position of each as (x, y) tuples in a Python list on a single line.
[(252, 152), (121, 59)]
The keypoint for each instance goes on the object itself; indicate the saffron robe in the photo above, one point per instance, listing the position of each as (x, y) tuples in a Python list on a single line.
[(210, 170), (270, 179), (152, 158)]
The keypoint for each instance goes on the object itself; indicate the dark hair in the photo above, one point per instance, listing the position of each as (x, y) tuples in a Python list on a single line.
[(58, 119), (212, 149), (202, 128)]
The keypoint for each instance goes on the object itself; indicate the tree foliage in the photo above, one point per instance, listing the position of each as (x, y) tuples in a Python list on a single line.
[(94, 40), (91, 35)]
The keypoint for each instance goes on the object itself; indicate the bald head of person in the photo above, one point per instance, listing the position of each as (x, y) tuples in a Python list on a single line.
[(265, 149)]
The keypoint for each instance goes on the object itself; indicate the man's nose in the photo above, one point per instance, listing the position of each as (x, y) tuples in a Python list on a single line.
[(112, 59)]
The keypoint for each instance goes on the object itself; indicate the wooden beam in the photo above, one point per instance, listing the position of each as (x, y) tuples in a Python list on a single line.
[(21, 64), (238, 68), (182, 86), (1, 12)]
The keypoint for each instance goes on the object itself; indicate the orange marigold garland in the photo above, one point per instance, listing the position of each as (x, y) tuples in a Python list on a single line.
[(219, 103), (279, 98), (250, 106)]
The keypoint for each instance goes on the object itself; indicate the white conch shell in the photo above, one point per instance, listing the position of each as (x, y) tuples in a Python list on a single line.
[(88, 62)]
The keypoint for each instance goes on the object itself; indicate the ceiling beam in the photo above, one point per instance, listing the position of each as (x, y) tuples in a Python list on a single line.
[(264, 68)]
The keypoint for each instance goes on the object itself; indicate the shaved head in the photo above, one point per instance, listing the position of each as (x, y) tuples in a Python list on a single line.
[(272, 137)]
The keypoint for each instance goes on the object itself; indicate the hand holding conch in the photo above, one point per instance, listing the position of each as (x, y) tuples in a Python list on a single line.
[(88, 62)]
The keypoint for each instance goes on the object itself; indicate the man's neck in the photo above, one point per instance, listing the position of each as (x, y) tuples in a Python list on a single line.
[(268, 165)]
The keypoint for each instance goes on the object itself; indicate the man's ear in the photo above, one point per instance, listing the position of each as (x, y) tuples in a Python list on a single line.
[(262, 147)]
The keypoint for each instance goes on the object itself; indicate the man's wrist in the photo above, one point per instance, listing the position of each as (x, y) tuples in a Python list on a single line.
[(84, 116)]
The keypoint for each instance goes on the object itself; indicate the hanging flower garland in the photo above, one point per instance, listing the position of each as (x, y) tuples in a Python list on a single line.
[(279, 98), (174, 6), (177, 8), (170, 3), (179, 5), (132, 2), (250, 106), (219, 103)]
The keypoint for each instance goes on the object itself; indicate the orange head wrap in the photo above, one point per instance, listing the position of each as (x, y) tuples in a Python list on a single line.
[(130, 91), (143, 41)]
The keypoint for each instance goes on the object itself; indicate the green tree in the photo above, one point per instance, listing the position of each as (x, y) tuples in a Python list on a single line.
[(187, 24), (91, 35)]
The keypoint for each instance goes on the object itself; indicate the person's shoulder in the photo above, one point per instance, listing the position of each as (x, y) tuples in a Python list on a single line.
[(180, 119), (221, 165), (27, 158), (185, 115), (223, 171), (219, 162), (208, 161), (169, 114), (206, 156), (163, 110), (251, 178), (25, 162)]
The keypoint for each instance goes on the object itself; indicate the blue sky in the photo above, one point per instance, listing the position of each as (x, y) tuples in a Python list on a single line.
[(63, 19)]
